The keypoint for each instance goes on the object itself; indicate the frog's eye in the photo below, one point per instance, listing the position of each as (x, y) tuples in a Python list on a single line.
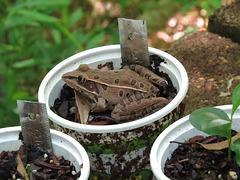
[(81, 79)]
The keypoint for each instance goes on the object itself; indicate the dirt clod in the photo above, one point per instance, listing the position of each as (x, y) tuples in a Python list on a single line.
[(212, 63), (225, 21)]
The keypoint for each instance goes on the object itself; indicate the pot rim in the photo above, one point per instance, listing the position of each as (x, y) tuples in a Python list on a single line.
[(65, 138), (123, 126), (180, 126)]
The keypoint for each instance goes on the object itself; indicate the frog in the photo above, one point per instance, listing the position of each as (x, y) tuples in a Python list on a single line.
[(129, 93)]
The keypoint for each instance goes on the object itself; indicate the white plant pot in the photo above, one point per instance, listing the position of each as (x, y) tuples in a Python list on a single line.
[(114, 149), (179, 131), (63, 145)]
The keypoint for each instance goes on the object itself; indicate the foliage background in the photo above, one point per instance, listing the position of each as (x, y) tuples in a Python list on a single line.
[(35, 35)]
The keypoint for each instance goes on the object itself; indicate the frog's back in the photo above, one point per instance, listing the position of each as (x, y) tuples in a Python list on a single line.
[(121, 78)]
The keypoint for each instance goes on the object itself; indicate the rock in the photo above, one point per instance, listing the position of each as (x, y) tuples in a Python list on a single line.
[(225, 21), (212, 63)]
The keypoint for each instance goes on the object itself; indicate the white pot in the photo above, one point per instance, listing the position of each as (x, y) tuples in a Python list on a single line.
[(114, 145), (63, 145), (179, 131)]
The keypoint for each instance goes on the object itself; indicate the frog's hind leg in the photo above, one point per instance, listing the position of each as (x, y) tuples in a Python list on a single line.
[(146, 73), (132, 108)]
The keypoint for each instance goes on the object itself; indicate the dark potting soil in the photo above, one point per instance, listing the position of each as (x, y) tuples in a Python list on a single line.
[(191, 161), (42, 166), (64, 106)]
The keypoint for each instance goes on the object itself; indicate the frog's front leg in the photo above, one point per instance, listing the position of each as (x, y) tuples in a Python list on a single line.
[(151, 76), (131, 108), (99, 106), (82, 108)]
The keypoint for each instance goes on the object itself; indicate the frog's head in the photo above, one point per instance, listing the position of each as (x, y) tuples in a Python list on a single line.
[(79, 81)]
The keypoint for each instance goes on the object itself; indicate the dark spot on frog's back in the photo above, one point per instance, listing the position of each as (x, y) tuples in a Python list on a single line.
[(138, 95), (117, 81), (147, 76), (152, 88), (130, 99), (133, 82), (96, 77), (155, 79), (120, 93), (141, 85), (104, 87)]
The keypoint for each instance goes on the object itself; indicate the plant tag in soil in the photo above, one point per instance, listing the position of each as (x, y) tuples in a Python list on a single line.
[(133, 41), (35, 125)]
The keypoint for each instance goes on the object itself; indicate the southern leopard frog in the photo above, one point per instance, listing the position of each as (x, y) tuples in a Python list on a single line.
[(129, 92)]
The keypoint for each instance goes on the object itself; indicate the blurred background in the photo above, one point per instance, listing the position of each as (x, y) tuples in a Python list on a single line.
[(35, 35)]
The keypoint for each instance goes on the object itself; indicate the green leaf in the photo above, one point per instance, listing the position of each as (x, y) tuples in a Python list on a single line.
[(24, 64), (42, 53), (12, 57), (215, 4), (66, 32), (6, 48), (64, 15), (81, 36), (11, 84), (212, 121), (39, 3), (95, 40), (20, 95), (235, 99), (183, 2), (188, 6), (56, 36), (37, 16), (236, 148), (16, 20), (205, 5), (75, 16)]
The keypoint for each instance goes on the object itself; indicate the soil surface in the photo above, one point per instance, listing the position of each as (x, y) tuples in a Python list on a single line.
[(212, 63), (42, 166), (64, 106), (191, 161)]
